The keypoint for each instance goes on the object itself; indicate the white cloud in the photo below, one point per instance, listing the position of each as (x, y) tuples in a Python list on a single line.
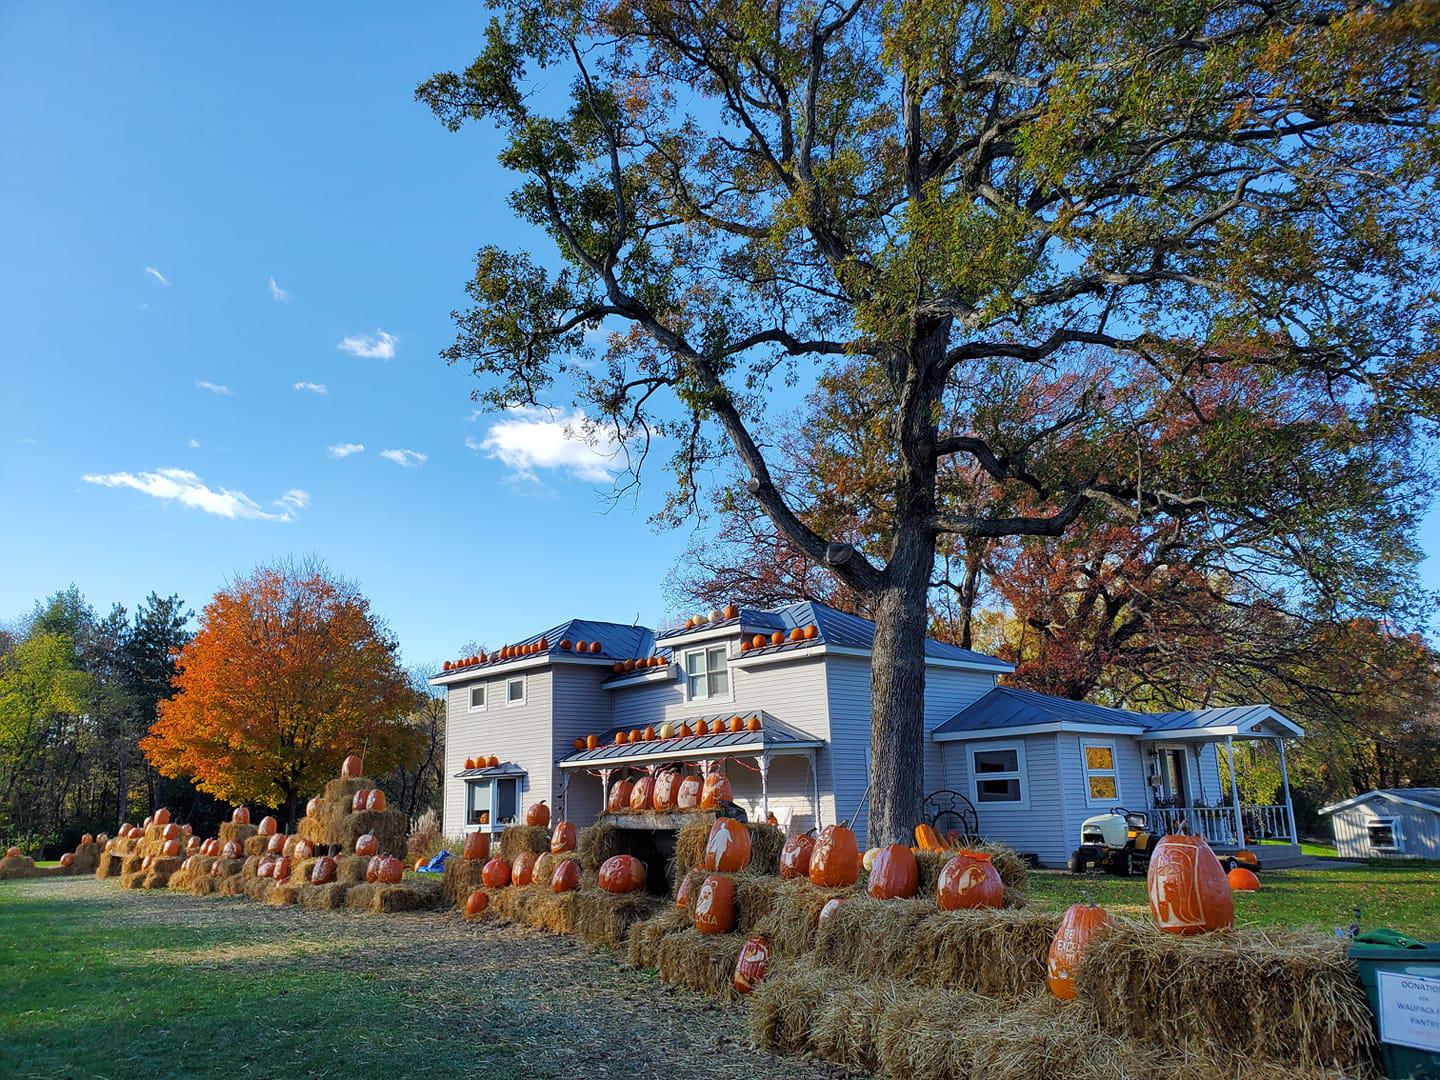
[(186, 488), (529, 440), (379, 347), (193, 444), (214, 388), (157, 275), (313, 387), (279, 295), (409, 459), (344, 450)]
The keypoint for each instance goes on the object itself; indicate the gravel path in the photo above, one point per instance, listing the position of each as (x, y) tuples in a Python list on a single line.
[(561, 1010)]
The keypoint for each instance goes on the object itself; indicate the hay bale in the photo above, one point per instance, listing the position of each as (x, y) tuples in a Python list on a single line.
[(1292, 997), (765, 844), (109, 865), (518, 838), (603, 918), (185, 877), (389, 828), (690, 845), (343, 788), (462, 877), (1013, 870), (350, 869), (283, 894), (642, 942), (87, 858), (597, 843), (133, 879), (703, 962), (410, 895), (19, 866), (228, 867), (235, 831), (794, 915), (322, 897)]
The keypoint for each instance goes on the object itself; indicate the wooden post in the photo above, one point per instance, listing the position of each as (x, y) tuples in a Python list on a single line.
[(1285, 786), (764, 786), (1235, 792), (815, 788)]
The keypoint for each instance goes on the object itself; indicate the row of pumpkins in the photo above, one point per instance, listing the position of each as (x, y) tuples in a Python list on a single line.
[(800, 633), (670, 790), (667, 730), (511, 652), (67, 859), (715, 616)]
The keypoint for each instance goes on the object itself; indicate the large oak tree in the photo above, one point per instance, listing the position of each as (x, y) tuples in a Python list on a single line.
[(1126, 197)]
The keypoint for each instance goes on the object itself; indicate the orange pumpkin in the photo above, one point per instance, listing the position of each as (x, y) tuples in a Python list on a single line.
[(579, 743), (619, 799), (702, 727), (667, 784), (727, 848), (622, 874), (736, 724), (759, 641), (797, 634), (323, 872), (391, 871), (715, 906), (629, 665), (716, 792), (582, 646), (591, 742), (1079, 925), (146, 823), (566, 644), (731, 611), (162, 817), (1188, 890), (492, 762), (753, 962), (1243, 879), (836, 860), (795, 856), (192, 845), (649, 733), (375, 800), (777, 638), (635, 735), (281, 869), (350, 767), (522, 868), (926, 839), (642, 795), (1246, 857), (477, 845), (87, 839), (312, 806), (276, 846), (476, 903), (594, 646), (264, 867), (563, 838), (268, 825), (683, 732), (357, 804), (682, 894), (753, 724), (894, 875), (538, 816), (303, 849), (366, 844), (231, 850), (170, 848), (170, 832), (12, 853), (969, 880), (69, 860), (566, 877), (618, 667), (812, 632), (690, 792), (496, 873), (241, 816), (445, 666)]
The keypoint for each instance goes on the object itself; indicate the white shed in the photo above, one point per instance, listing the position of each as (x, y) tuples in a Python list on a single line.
[(1393, 823)]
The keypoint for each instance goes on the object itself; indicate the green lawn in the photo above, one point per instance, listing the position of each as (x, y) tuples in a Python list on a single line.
[(1406, 898)]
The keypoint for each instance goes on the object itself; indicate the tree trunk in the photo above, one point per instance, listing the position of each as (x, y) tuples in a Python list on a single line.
[(292, 797)]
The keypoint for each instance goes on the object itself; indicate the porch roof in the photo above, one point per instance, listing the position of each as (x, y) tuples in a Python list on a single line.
[(1009, 710), (774, 735), (505, 768)]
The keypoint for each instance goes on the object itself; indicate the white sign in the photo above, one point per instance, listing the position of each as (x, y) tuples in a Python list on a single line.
[(1409, 1010)]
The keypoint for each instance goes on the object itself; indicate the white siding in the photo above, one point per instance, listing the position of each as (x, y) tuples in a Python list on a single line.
[(1038, 827), (581, 708), (1129, 776), (1419, 830)]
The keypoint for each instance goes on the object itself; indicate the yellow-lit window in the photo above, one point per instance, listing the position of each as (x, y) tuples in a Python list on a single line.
[(1102, 783)]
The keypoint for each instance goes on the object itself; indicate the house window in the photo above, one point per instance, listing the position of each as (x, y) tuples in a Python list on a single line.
[(706, 673), (997, 774), (1385, 834), (477, 698), (515, 691), (507, 801), (1102, 780)]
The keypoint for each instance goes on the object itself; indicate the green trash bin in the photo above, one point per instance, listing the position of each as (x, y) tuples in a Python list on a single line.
[(1404, 990)]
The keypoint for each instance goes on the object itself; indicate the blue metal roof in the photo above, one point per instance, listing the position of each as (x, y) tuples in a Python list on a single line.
[(1011, 707), (772, 733)]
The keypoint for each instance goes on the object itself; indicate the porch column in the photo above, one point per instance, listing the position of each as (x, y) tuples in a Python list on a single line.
[(1235, 792), (604, 790), (815, 788), (1285, 787), (764, 785)]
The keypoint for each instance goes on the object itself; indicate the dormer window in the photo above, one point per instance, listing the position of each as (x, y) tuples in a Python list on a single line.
[(707, 674)]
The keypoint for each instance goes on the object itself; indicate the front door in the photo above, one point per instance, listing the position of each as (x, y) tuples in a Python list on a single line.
[(1174, 777)]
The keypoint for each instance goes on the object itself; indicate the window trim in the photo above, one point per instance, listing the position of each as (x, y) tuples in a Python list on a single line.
[(1021, 773), (705, 651), (470, 697), (1397, 836), (510, 702), (1086, 772)]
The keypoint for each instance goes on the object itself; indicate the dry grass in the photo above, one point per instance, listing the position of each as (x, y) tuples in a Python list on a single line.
[(1293, 997), (518, 838), (701, 962), (598, 843)]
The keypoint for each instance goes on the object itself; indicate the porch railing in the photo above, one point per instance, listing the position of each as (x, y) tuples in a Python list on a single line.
[(1217, 823)]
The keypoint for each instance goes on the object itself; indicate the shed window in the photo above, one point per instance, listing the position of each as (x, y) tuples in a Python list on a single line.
[(706, 673), (515, 691), (1385, 834), (997, 774), (1102, 780), (477, 698)]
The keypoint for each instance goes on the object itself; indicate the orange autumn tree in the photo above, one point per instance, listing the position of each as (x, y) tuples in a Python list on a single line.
[(289, 672)]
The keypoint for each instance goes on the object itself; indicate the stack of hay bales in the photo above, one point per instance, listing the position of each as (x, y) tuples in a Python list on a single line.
[(144, 865), (84, 859), (333, 826), (20, 865)]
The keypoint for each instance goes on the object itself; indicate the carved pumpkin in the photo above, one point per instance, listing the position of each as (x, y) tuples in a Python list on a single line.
[(323, 872), (281, 870), (831, 906), (496, 873), (969, 880), (689, 794), (563, 838), (619, 798), (477, 845), (667, 784), (752, 964), (372, 869), (366, 844), (170, 832), (715, 906), (350, 767), (276, 844), (716, 792), (538, 815), (836, 860), (67, 859), (241, 816), (162, 817), (1080, 923), (566, 877), (1243, 879), (642, 795), (682, 894), (267, 827), (303, 849), (622, 874), (795, 856), (375, 800), (231, 850), (390, 871), (522, 868), (1188, 890), (894, 875), (169, 849), (357, 804), (476, 902), (727, 848), (187, 829), (192, 846), (266, 865)]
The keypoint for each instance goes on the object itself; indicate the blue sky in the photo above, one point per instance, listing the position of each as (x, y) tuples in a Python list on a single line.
[(203, 206)]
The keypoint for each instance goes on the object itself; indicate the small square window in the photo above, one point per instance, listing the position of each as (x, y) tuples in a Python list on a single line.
[(1384, 834), (515, 691), (707, 673), (998, 774), (477, 698)]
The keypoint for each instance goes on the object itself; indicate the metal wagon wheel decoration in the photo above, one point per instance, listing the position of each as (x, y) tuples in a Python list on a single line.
[(949, 811)]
